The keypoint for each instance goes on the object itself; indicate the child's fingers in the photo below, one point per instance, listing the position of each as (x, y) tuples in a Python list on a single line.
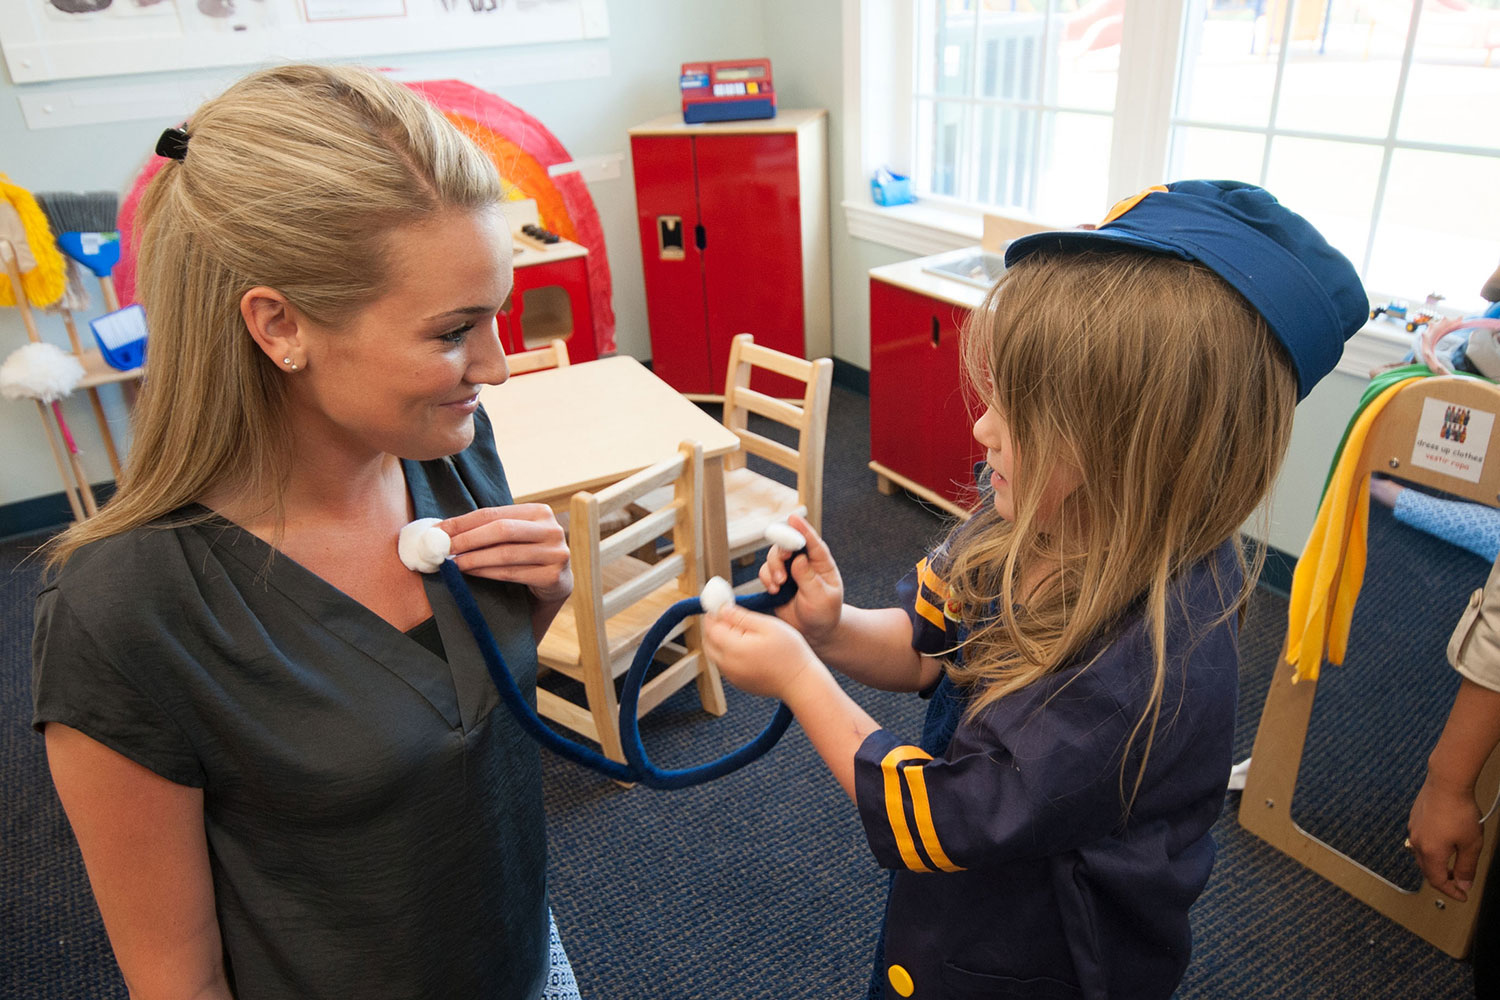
[(819, 556)]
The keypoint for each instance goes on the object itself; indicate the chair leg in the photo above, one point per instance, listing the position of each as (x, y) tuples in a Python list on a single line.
[(710, 684), (604, 706)]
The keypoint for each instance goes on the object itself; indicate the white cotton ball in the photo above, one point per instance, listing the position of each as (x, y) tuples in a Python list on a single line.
[(717, 595), (785, 537), (39, 371), (423, 546)]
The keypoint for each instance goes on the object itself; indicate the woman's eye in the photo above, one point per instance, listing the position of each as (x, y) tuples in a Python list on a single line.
[(457, 336)]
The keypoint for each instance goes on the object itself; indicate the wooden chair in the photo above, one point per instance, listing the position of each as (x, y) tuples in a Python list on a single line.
[(554, 355), (1266, 807), (752, 500), (617, 598)]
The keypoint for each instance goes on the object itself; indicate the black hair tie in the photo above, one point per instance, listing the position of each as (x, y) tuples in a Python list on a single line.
[(173, 144)]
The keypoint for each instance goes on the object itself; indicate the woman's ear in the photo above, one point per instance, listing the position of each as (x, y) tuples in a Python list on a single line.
[(276, 327)]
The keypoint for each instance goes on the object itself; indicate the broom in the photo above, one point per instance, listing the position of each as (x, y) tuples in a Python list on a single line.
[(84, 223)]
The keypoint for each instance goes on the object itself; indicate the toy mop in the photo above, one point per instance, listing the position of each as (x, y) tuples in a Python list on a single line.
[(46, 374), (423, 547), (34, 273)]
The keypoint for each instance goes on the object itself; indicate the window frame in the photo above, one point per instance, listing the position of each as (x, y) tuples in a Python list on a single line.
[(878, 132)]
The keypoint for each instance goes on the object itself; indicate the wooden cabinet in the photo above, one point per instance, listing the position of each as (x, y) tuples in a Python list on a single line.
[(921, 425), (733, 220)]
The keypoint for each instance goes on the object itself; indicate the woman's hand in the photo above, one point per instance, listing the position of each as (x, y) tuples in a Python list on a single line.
[(758, 653), (1446, 836), (522, 543), (819, 603)]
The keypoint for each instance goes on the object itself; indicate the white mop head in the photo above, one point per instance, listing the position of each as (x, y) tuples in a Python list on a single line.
[(39, 371)]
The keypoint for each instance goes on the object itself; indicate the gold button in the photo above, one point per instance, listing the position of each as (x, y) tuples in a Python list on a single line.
[(901, 980)]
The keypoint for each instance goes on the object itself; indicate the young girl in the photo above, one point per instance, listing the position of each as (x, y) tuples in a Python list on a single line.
[(1077, 635)]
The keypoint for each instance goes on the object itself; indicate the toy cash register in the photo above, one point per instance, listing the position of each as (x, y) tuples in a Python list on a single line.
[(727, 90)]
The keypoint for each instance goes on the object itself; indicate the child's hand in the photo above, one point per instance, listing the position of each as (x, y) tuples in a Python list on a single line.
[(758, 653), (522, 543), (819, 603)]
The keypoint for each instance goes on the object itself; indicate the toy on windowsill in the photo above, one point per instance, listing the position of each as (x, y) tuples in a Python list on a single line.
[(1399, 312)]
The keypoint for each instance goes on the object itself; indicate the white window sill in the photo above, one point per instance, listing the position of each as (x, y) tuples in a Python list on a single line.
[(923, 229), (918, 228)]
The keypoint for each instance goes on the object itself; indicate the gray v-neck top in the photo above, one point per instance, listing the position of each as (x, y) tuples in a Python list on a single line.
[(374, 824)]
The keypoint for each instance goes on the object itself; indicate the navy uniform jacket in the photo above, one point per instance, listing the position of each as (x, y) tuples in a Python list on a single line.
[(1014, 876)]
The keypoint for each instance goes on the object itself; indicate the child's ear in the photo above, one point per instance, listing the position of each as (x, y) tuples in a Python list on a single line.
[(276, 327)]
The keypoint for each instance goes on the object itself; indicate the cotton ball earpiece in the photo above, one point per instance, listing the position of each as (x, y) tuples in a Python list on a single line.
[(423, 546), (785, 537), (717, 595)]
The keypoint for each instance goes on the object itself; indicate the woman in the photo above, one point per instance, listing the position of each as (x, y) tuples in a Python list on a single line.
[(279, 749)]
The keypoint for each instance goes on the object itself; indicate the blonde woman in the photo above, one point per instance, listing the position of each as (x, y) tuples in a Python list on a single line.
[(1077, 637), (279, 749)]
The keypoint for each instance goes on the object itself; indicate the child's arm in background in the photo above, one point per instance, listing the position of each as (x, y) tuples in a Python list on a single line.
[(872, 646)]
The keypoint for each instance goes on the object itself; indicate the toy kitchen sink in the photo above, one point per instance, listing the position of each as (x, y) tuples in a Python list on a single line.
[(972, 265)]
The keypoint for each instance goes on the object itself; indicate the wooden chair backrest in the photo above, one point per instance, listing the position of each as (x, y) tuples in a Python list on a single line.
[(591, 554), (810, 419), (554, 355)]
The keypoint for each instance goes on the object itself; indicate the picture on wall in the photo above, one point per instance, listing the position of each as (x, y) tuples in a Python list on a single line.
[(70, 39)]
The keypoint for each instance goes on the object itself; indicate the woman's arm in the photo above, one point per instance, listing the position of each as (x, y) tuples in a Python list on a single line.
[(143, 843)]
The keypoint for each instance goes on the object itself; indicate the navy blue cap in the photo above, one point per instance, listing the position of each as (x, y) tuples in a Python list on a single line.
[(1308, 292)]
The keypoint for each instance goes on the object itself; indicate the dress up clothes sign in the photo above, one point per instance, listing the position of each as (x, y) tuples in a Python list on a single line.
[(68, 39), (1452, 439)]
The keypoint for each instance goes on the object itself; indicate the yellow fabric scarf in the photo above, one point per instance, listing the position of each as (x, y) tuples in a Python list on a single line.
[(1339, 535), (44, 283)]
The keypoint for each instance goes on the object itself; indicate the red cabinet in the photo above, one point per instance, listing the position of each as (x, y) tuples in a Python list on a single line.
[(550, 300), (920, 422), (733, 220)]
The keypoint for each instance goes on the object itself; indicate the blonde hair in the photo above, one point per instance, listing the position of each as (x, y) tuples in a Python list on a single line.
[(1168, 394), (295, 178)]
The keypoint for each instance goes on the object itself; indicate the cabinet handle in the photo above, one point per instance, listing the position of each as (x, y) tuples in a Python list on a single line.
[(935, 332), (700, 236)]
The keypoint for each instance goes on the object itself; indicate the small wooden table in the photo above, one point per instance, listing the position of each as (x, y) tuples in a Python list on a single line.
[(589, 425)]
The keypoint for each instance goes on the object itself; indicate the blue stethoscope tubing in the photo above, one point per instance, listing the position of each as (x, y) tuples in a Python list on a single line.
[(638, 767)]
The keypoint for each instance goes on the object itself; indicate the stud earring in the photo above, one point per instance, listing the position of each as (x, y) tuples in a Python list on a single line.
[(288, 362)]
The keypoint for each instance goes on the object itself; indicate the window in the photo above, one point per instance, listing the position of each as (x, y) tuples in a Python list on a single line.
[(1374, 118)]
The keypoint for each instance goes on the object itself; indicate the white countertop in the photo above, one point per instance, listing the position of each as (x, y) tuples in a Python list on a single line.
[(913, 276)]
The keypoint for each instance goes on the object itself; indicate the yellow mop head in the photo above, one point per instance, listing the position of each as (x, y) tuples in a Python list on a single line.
[(44, 281)]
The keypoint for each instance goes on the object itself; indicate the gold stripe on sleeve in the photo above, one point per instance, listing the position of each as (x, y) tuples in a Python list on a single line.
[(895, 807), (922, 810)]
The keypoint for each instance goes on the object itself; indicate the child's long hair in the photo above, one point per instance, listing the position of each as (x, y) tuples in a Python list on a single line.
[(297, 177), (1169, 395)]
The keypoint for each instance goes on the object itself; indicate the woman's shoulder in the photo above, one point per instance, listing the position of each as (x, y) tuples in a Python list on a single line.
[(130, 567)]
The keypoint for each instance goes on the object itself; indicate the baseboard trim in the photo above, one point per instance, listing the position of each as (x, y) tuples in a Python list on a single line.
[(43, 513), (1276, 573), (851, 377)]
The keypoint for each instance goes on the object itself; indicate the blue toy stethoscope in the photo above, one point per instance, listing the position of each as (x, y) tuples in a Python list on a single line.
[(425, 548)]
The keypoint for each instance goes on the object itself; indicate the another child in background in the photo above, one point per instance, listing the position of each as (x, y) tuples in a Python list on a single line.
[(1077, 636)]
